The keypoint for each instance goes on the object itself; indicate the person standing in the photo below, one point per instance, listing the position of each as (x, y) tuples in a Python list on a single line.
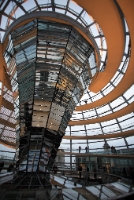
[(114, 150), (87, 149), (79, 170), (88, 175), (79, 149)]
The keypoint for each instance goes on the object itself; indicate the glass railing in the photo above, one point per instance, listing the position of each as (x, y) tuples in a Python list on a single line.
[(65, 162), (99, 151), (72, 179), (6, 177)]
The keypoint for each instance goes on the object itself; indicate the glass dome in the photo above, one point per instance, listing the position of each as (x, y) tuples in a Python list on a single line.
[(105, 113)]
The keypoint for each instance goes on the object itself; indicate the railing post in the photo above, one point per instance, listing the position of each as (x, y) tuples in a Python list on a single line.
[(100, 192), (70, 155)]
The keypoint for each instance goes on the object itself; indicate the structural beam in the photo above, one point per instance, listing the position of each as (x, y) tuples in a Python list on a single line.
[(100, 136), (128, 109)]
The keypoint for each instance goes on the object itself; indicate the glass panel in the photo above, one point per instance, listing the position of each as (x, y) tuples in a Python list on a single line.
[(96, 192), (117, 102), (118, 143), (27, 5), (130, 140), (60, 2), (0, 87), (120, 107), (129, 92), (75, 6), (77, 128), (103, 109), (127, 123), (107, 123), (126, 117), (111, 128)]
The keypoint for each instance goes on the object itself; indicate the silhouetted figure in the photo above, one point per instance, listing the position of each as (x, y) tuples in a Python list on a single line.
[(79, 149), (88, 177), (114, 150), (95, 172), (1, 166), (86, 148), (79, 170)]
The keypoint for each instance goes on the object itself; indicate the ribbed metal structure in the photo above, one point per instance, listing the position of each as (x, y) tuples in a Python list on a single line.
[(52, 74)]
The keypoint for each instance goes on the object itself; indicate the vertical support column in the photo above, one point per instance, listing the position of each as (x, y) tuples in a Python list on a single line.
[(2, 71), (126, 143)]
